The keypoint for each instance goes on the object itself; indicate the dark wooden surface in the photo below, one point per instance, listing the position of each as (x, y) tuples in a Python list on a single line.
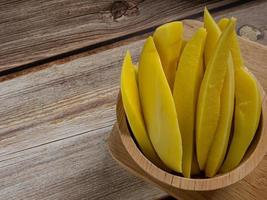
[(32, 30), (55, 118)]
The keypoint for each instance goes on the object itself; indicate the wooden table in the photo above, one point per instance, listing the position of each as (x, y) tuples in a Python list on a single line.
[(60, 63)]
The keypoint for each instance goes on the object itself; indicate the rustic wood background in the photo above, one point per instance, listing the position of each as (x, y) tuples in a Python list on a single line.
[(60, 63)]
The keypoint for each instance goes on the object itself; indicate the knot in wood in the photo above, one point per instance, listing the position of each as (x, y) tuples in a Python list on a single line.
[(118, 9), (251, 32)]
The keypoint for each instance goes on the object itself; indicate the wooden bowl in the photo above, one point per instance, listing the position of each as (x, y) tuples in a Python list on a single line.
[(123, 149)]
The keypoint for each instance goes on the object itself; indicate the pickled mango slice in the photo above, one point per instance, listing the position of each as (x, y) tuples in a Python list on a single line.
[(219, 145), (159, 108), (209, 102), (235, 49), (247, 107), (168, 41), (132, 107), (220, 142), (185, 93), (213, 33)]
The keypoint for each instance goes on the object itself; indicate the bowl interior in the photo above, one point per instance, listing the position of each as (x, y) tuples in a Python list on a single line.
[(249, 151)]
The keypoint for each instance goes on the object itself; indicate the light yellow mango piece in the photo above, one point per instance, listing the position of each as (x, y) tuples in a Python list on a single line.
[(235, 49), (168, 41), (220, 142), (132, 107), (159, 108), (185, 93), (213, 33), (209, 102), (219, 145), (247, 108)]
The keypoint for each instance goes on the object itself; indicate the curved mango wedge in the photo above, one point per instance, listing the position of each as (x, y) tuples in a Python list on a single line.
[(247, 108), (220, 142), (213, 34), (219, 145), (132, 107), (235, 49), (159, 108), (209, 102), (168, 41), (185, 93)]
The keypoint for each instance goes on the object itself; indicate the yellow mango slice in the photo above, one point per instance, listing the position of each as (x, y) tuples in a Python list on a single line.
[(168, 41), (247, 108), (235, 49), (159, 108), (220, 142), (219, 145), (185, 93), (213, 33), (132, 107), (209, 103)]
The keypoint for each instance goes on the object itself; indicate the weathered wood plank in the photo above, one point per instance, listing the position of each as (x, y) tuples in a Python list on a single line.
[(53, 133), (82, 92), (53, 125), (75, 168), (34, 30)]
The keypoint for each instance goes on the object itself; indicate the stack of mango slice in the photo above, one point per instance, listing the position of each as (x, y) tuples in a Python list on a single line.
[(192, 106)]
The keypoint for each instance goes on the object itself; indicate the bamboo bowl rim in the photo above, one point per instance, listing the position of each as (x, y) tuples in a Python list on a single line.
[(252, 158)]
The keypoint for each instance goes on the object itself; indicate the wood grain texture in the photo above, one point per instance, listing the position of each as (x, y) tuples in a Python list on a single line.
[(75, 168), (54, 122), (53, 133), (34, 30)]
